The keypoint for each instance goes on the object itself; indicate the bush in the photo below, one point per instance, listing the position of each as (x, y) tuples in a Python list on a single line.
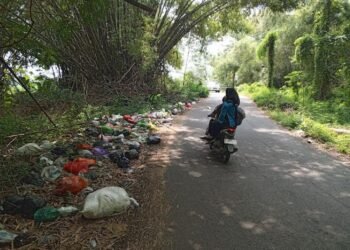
[(288, 119), (284, 102), (343, 143), (318, 131)]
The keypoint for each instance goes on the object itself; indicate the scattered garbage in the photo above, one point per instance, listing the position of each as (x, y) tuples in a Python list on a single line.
[(92, 132), (29, 149), (33, 178), (84, 157), (93, 243), (22, 239), (87, 161), (85, 153), (46, 145), (7, 237), (46, 214), (106, 202), (76, 167), (132, 154), (133, 145), (99, 151), (188, 105), (84, 146), (51, 173), (153, 139), (66, 211), (44, 162), (70, 184), (59, 151), (91, 175), (116, 155), (25, 206), (129, 119), (60, 161), (123, 162), (107, 130)]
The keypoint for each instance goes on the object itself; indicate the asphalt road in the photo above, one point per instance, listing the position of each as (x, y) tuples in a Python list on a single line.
[(277, 192)]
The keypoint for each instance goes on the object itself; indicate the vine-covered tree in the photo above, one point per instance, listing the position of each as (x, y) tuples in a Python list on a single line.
[(267, 49)]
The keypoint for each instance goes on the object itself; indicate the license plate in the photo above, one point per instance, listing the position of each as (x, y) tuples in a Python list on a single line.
[(230, 141)]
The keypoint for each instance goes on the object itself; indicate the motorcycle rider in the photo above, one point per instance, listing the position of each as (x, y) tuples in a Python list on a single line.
[(224, 114)]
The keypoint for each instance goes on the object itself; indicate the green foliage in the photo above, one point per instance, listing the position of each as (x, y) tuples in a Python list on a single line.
[(302, 112), (241, 60), (267, 49), (318, 130), (304, 53), (288, 119)]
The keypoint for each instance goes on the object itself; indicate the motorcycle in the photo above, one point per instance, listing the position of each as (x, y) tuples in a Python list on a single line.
[(225, 144)]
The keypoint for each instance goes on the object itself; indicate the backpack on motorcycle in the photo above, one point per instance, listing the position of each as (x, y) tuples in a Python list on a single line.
[(240, 115)]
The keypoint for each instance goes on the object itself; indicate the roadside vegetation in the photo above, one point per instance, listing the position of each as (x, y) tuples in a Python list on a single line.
[(318, 119), (296, 65)]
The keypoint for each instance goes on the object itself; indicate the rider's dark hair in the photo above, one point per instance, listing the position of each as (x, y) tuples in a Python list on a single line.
[(232, 95)]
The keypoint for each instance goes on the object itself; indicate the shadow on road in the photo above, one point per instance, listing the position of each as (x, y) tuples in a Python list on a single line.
[(277, 192)]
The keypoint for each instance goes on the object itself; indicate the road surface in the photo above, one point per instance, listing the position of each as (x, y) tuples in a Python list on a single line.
[(277, 192)]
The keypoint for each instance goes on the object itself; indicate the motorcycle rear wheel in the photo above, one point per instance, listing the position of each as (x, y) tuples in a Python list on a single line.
[(226, 156)]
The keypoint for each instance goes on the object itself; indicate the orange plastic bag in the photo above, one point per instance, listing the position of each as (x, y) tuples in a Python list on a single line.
[(76, 167), (84, 146), (71, 184), (86, 160), (129, 119)]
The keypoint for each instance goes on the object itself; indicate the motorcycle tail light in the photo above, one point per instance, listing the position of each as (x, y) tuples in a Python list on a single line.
[(231, 130)]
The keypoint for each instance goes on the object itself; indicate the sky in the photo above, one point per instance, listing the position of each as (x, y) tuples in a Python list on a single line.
[(189, 54)]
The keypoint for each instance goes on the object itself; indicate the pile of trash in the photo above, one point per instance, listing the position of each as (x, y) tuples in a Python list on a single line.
[(83, 175)]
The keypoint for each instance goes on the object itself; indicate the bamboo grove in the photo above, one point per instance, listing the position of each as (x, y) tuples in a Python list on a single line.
[(106, 47)]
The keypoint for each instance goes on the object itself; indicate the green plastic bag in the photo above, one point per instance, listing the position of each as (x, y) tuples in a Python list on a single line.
[(46, 214), (107, 130)]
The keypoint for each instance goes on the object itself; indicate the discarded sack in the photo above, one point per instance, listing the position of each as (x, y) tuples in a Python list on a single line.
[(46, 214), (25, 206), (106, 202), (73, 184), (29, 149)]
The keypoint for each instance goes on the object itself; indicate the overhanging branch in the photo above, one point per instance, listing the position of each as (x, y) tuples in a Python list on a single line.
[(141, 6)]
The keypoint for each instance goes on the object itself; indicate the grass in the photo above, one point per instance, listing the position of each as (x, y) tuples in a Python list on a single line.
[(293, 111)]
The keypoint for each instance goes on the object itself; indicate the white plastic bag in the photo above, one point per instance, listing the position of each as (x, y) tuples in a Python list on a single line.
[(29, 149), (66, 211), (106, 202)]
